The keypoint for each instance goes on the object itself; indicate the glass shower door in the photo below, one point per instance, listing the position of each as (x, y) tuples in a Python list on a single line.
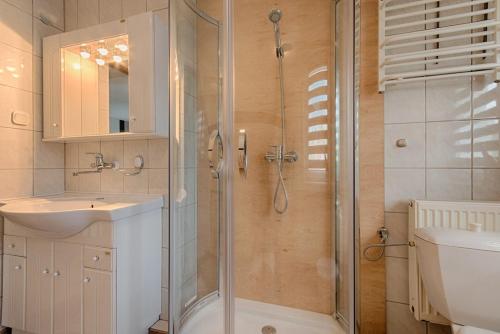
[(196, 161)]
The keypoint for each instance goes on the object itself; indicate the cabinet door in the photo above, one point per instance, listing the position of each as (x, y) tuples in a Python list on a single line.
[(98, 315), (39, 289), (14, 285), (68, 272)]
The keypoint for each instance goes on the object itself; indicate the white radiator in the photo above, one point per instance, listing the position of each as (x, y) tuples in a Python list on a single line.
[(455, 215)]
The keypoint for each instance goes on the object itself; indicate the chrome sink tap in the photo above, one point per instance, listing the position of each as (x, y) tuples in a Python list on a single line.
[(99, 164)]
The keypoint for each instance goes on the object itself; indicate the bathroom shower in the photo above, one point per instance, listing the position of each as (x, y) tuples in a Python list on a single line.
[(280, 155)]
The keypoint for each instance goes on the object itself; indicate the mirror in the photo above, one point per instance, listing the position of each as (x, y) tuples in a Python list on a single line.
[(95, 84)]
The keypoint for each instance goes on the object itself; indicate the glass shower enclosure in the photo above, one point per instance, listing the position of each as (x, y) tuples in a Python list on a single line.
[(262, 114)]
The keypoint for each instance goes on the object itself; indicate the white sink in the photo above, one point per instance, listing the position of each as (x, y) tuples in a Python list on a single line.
[(68, 214)]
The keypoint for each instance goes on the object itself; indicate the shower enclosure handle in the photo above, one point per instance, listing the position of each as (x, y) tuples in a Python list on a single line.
[(215, 154)]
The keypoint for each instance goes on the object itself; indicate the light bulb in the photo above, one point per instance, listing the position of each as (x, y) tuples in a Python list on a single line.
[(100, 61), (10, 68), (117, 58), (122, 47), (103, 51), (85, 54)]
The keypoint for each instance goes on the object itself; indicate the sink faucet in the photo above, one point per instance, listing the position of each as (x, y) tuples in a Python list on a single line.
[(99, 164)]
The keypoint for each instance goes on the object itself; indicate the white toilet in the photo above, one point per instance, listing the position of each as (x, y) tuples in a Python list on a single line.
[(461, 273)]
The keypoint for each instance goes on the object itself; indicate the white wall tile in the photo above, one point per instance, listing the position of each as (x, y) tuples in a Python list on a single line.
[(400, 320), (70, 15), (48, 155), (24, 5), (132, 148), (53, 10), (486, 184), (156, 4), (37, 112), (133, 7), (486, 149), (21, 65), (41, 30), (110, 10), (85, 153), (16, 149), (71, 155), (15, 100), (89, 183), (158, 181), (449, 145), (397, 224), (405, 103), (158, 153), (37, 74), (401, 186), (112, 151), (16, 28), (137, 184), (486, 97), (396, 272), (111, 181), (70, 181), (88, 13), (48, 182), (411, 156), (448, 99), (449, 184), (16, 183)]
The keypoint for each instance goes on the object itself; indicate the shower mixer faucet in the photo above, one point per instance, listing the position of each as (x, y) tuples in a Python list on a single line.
[(278, 155)]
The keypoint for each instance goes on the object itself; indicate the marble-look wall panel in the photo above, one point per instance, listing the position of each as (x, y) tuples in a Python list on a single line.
[(284, 259)]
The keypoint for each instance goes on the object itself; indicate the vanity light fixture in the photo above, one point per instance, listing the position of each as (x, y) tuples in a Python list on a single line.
[(100, 61), (121, 46), (85, 51), (10, 68), (101, 48), (117, 58)]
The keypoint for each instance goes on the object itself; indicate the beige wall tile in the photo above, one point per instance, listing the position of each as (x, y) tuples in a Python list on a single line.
[(41, 30), (411, 156), (449, 144), (132, 7), (15, 100), (397, 279), (86, 154), (88, 13), (16, 150), (401, 186), (158, 181), (89, 183), (486, 184), (400, 320), (158, 153), (48, 155), (132, 148), (71, 155), (112, 181), (20, 65), (156, 4), (16, 27), (48, 182), (110, 10), (70, 15), (137, 184), (16, 183), (397, 224), (486, 149), (53, 10), (449, 184)]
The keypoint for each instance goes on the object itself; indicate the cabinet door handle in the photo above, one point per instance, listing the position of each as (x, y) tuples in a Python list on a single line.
[(86, 280), (45, 271), (57, 273), (95, 258), (18, 267)]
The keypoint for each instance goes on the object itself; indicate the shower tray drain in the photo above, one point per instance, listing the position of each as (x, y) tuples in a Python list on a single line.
[(268, 330)]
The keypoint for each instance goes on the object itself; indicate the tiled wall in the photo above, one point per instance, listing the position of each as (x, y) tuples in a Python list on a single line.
[(27, 166), (154, 177), (453, 153)]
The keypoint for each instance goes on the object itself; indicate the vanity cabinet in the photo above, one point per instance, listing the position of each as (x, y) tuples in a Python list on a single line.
[(75, 285)]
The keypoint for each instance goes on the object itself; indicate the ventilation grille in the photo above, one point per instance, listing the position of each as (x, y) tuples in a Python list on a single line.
[(454, 215), (435, 39)]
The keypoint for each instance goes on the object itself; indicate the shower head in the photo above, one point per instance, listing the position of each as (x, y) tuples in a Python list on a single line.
[(275, 16)]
